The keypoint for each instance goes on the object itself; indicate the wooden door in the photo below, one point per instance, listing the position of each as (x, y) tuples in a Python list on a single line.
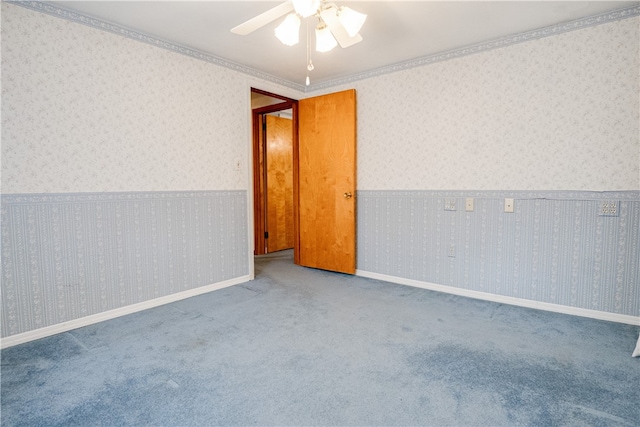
[(279, 171), (326, 179)]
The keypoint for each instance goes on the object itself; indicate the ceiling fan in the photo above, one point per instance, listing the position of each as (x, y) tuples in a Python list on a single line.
[(336, 25)]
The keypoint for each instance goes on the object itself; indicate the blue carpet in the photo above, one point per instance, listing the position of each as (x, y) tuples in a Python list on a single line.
[(299, 346)]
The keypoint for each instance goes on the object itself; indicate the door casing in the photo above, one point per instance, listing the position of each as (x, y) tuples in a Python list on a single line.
[(259, 170)]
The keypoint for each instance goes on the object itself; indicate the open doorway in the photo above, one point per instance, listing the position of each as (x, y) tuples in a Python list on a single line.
[(324, 179), (274, 134)]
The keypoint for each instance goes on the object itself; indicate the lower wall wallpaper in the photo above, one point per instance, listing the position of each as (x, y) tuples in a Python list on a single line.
[(556, 247), (68, 256)]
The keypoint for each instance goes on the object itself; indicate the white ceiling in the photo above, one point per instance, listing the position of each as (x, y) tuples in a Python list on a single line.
[(395, 31)]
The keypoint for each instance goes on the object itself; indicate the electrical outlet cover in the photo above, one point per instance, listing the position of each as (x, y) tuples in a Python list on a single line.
[(468, 205), (508, 205)]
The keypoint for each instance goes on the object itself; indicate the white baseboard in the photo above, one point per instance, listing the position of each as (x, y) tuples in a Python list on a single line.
[(557, 308), (111, 314), (123, 311)]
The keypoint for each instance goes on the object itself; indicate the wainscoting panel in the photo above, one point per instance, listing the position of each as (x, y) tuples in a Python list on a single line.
[(554, 248), (68, 256)]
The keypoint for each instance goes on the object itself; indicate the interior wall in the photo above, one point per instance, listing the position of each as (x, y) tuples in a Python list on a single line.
[(552, 123), (121, 165), (86, 110), (124, 173), (260, 100), (558, 113)]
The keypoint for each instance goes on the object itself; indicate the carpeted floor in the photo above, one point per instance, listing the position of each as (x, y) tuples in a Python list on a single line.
[(299, 346)]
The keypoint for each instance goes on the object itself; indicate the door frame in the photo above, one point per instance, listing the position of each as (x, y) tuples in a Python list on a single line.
[(258, 153)]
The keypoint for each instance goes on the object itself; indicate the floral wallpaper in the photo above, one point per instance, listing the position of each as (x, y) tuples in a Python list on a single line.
[(86, 110), (555, 248), (159, 141), (69, 256), (556, 113), (124, 173)]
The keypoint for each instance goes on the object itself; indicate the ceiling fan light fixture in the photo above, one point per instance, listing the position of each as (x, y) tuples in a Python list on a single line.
[(306, 8), (288, 32), (324, 39), (351, 20)]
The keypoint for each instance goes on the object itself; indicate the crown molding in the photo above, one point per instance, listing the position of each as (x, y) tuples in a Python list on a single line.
[(540, 33), (57, 11)]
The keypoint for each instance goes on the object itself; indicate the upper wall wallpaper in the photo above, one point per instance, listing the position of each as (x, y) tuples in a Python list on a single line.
[(88, 111), (558, 113)]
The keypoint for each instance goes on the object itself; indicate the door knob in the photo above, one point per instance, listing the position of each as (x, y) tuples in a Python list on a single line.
[(347, 195)]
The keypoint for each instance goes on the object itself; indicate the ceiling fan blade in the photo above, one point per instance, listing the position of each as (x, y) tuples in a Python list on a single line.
[(330, 17), (263, 19)]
